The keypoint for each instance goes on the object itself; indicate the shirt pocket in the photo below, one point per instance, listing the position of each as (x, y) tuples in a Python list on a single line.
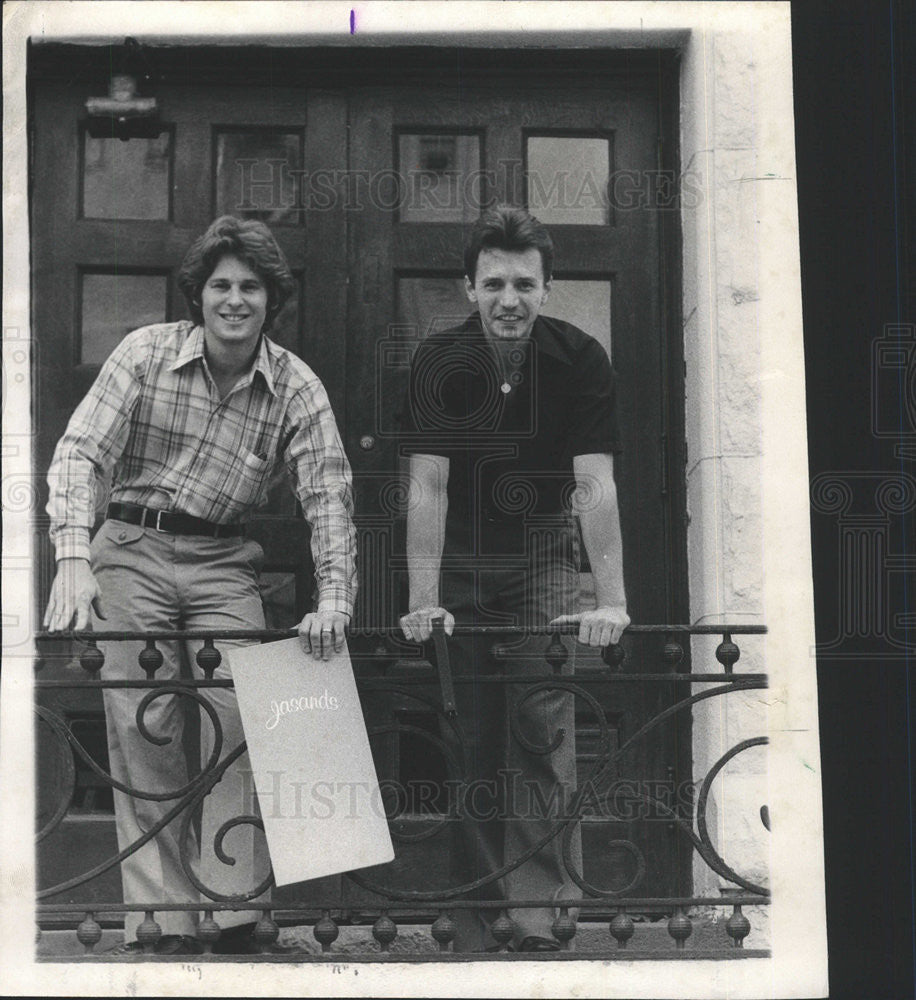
[(248, 480)]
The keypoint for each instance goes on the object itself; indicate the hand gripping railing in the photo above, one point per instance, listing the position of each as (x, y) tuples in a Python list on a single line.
[(379, 655)]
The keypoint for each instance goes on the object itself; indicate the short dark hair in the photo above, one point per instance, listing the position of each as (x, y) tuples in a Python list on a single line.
[(507, 228), (251, 242)]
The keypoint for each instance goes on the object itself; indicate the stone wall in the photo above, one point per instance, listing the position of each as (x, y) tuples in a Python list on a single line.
[(748, 551), (721, 156)]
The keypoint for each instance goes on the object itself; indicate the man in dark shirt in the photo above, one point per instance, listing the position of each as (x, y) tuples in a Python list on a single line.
[(511, 423)]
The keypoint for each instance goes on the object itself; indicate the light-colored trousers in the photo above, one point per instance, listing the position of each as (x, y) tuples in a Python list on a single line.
[(155, 580)]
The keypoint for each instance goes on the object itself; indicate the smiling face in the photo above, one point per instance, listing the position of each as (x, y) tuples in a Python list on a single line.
[(234, 305), (509, 289)]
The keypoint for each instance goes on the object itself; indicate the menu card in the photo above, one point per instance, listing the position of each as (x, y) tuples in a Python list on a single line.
[(313, 772)]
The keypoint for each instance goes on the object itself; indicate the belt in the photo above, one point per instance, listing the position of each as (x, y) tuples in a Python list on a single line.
[(174, 522)]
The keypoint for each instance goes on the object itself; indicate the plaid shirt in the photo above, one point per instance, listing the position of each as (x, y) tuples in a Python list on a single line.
[(154, 416)]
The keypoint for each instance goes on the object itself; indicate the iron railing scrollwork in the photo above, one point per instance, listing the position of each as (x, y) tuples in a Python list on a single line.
[(430, 686)]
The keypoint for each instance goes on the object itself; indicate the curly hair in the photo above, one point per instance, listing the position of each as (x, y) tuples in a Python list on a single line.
[(512, 229), (252, 243)]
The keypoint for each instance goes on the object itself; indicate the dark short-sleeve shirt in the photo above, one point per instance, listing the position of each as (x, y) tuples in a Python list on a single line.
[(510, 454)]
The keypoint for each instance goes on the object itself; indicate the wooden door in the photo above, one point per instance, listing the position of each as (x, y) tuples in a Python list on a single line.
[(583, 155), (112, 221), (369, 168)]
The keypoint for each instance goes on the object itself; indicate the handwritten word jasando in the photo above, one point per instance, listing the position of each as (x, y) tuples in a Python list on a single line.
[(304, 703)]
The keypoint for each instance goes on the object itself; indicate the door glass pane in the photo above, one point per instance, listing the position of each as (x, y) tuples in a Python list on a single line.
[(429, 304), (424, 305), (115, 304), (568, 180), (585, 304), (441, 177), (286, 329), (257, 174), (126, 180)]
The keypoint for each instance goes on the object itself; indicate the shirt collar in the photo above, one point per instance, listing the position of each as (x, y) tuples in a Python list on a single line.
[(193, 349), (263, 363), (544, 333)]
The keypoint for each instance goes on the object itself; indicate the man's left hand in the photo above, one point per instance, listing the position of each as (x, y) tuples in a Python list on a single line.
[(322, 632), (602, 627)]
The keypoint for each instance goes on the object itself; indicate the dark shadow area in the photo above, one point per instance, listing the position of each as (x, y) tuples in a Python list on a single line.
[(854, 107)]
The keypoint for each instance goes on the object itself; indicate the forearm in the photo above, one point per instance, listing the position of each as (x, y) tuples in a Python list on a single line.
[(599, 516), (333, 546), (71, 499), (426, 513), (321, 477), (328, 509), (603, 543)]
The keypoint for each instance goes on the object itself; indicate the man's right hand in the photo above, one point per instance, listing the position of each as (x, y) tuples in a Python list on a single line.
[(74, 591), (418, 625)]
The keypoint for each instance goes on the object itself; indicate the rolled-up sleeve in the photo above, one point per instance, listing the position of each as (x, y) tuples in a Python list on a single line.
[(94, 439), (320, 470)]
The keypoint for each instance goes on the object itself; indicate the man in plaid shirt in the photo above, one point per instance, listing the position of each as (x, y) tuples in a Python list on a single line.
[(193, 417)]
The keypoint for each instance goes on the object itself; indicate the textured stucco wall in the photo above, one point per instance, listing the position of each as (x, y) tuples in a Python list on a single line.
[(721, 153)]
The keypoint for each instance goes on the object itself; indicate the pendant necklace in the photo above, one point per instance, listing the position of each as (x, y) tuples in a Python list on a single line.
[(510, 365)]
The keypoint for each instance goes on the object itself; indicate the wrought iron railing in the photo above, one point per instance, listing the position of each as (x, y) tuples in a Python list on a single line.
[(384, 666)]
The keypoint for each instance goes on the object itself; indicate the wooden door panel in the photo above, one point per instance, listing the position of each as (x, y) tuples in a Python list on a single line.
[(68, 246), (624, 252), (352, 252)]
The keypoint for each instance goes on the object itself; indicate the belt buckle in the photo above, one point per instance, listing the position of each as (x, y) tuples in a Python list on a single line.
[(159, 514)]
